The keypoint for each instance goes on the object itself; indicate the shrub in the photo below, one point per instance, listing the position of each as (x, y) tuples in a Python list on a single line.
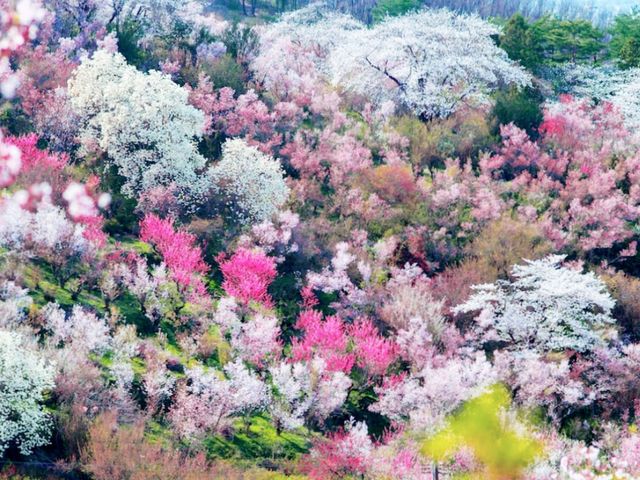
[(462, 135), (123, 452), (506, 242), (522, 107), (626, 291), (226, 72)]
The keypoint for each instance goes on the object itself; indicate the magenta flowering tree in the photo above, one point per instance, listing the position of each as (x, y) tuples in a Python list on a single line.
[(247, 275), (33, 157), (178, 249), (326, 338), (374, 353)]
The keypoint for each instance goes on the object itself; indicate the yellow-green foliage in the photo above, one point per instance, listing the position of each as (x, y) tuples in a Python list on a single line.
[(504, 243), (502, 450), (462, 135)]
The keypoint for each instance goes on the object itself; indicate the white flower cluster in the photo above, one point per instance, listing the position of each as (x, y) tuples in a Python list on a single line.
[(210, 400), (82, 329), (47, 228), (24, 377), (546, 308), (292, 397), (620, 87), (14, 301), (334, 278), (143, 122), (251, 182), (429, 396), (302, 390)]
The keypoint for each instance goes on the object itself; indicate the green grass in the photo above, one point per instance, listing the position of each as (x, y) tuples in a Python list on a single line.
[(260, 442)]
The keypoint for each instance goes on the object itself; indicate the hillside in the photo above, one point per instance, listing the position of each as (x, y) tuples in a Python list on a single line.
[(282, 241)]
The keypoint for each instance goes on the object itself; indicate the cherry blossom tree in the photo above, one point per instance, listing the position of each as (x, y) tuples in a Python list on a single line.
[(14, 302), (548, 307), (306, 392), (83, 329), (430, 62), (208, 402), (178, 249)]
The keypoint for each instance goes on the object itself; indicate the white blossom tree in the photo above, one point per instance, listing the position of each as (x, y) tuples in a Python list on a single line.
[(14, 302), (427, 397), (24, 378), (429, 61), (607, 83), (143, 122), (252, 183), (548, 307), (210, 400), (292, 394), (83, 329), (305, 390)]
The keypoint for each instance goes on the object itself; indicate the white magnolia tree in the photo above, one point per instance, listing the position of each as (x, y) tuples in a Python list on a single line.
[(143, 122), (251, 182), (429, 61), (24, 378), (548, 307)]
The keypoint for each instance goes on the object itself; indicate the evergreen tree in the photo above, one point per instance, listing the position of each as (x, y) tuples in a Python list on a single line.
[(625, 39), (521, 42)]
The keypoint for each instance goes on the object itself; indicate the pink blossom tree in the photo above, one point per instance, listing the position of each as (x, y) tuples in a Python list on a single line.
[(178, 249), (247, 275)]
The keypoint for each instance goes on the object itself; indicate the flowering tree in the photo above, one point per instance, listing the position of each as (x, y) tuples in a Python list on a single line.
[(208, 402), (14, 302), (24, 378), (32, 157), (430, 61), (427, 397), (141, 121), (547, 307), (306, 392), (606, 83), (247, 275), (251, 183), (568, 179), (255, 337), (178, 249), (46, 233), (84, 330), (374, 353), (344, 453)]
